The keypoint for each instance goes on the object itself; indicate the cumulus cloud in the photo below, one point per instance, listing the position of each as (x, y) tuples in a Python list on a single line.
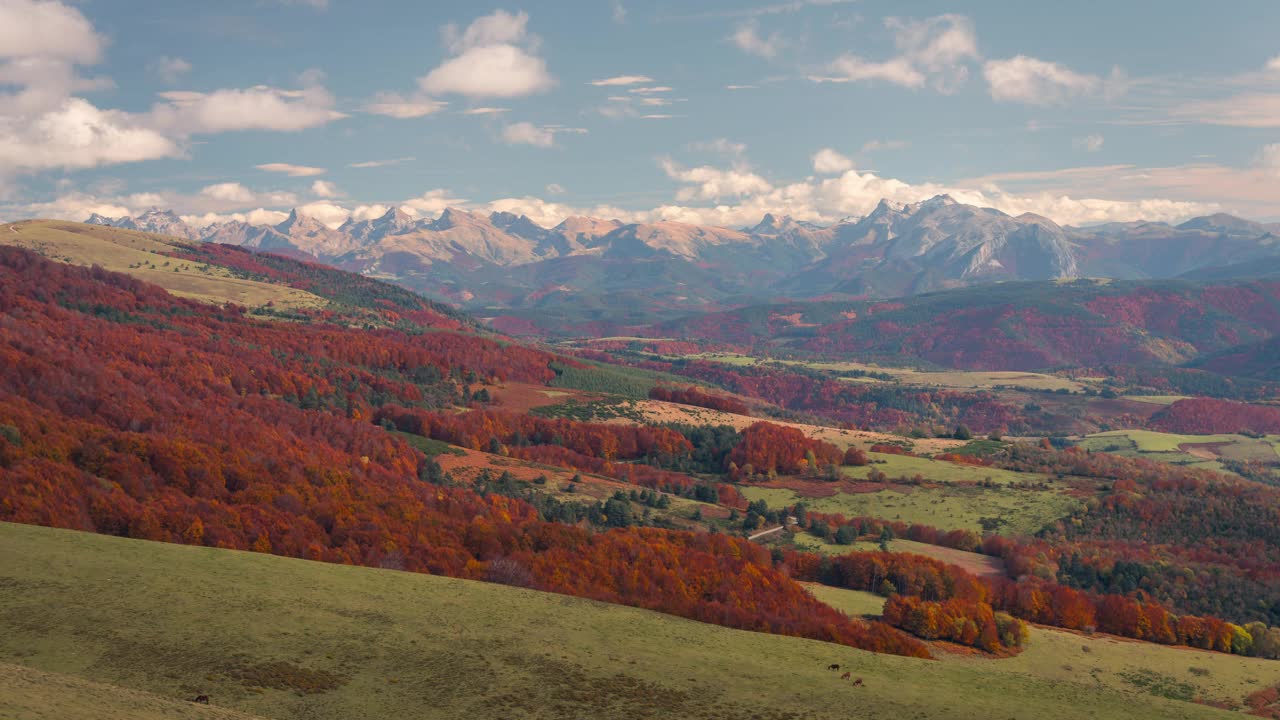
[(325, 189), (230, 192), (827, 162), (622, 80), (932, 51), (256, 108), (403, 107), (1036, 82), (710, 183), (554, 189), (1274, 64), (76, 135), (493, 57), (746, 37), (431, 203), (291, 170)]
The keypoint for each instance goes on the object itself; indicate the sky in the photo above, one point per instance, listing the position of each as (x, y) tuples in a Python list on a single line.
[(711, 112)]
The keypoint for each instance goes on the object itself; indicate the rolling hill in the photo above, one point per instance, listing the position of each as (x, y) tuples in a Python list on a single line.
[(1012, 326), (283, 639)]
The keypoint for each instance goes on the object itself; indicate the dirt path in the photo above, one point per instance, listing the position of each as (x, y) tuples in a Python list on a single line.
[(762, 533)]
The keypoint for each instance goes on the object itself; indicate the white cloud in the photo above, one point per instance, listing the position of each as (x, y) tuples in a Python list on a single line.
[(740, 87), (710, 183), (651, 89), (51, 30), (500, 28), (555, 189), (1255, 110), (329, 214), (381, 163), (230, 192), (402, 107), (851, 68), (171, 69), (746, 37), (658, 116), (619, 12), (526, 133), (325, 189), (935, 50), (622, 80), (1090, 143), (1036, 82), (1274, 64), (76, 134), (485, 110), (256, 108), (723, 146), (431, 203), (488, 61), (827, 161), (291, 170)]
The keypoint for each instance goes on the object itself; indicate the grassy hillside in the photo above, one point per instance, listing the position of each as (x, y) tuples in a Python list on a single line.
[(284, 638), (30, 694), (140, 254)]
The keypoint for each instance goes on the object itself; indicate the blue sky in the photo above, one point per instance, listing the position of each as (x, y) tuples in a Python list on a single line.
[(703, 112)]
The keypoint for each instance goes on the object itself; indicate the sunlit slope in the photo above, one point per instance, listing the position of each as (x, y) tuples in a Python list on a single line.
[(285, 638), (142, 255)]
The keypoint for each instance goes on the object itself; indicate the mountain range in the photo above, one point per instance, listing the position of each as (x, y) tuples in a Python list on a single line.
[(591, 270)]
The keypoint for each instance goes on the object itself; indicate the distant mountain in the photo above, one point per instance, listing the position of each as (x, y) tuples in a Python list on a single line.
[(591, 270), (935, 244), (1016, 326)]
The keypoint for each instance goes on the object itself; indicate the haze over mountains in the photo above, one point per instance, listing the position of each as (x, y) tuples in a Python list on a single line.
[(508, 261)]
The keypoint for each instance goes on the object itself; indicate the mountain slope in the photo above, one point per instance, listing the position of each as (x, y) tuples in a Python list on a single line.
[(1013, 326), (333, 641), (508, 267)]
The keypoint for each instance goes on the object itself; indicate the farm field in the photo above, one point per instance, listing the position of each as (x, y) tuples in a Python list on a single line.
[(975, 563), (1013, 512), (937, 470), (283, 638), (658, 412), (1203, 451), (849, 602), (959, 379), (138, 254)]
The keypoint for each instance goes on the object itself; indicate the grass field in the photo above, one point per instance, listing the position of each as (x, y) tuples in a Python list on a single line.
[(973, 562), (1202, 451), (948, 508), (138, 254), (29, 694), (959, 379), (939, 470), (287, 639), (850, 602)]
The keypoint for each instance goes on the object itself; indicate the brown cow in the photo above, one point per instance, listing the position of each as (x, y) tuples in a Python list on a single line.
[(844, 676), (833, 666), (858, 681), (202, 699)]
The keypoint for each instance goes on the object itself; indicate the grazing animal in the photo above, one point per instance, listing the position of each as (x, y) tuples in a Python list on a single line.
[(202, 699), (844, 676), (858, 681), (833, 666)]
